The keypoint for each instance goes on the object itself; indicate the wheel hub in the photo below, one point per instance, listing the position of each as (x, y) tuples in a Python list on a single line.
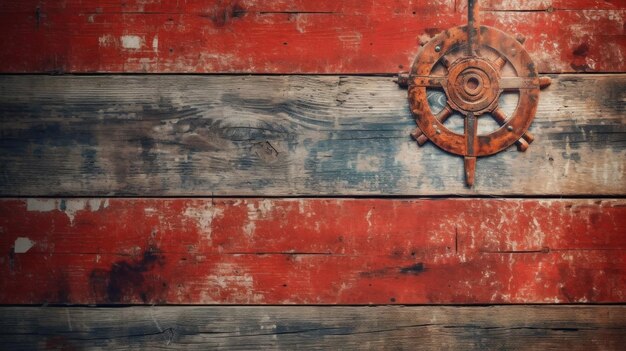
[(472, 86)]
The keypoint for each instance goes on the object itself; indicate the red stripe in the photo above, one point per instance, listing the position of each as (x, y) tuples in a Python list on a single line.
[(321, 36), (322, 251)]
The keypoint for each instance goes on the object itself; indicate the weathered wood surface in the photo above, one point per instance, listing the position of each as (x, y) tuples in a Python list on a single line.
[(268, 36), (582, 328), (312, 251), (294, 135)]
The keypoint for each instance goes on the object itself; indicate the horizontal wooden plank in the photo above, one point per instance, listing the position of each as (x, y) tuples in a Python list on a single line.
[(315, 251), (314, 36), (288, 135), (315, 328), (546, 5)]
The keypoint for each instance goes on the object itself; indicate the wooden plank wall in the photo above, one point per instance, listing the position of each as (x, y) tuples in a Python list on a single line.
[(199, 184)]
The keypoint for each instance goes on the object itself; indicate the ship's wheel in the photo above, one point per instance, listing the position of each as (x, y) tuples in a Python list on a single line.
[(473, 58)]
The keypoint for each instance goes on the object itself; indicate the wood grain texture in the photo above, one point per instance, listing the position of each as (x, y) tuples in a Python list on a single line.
[(304, 36), (288, 135), (582, 328), (315, 251)]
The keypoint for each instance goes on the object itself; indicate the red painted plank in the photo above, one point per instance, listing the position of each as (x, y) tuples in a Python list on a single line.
[(320, 251), (315, 36), (548, 5)]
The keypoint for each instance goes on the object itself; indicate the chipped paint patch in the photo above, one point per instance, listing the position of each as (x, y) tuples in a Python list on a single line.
[(131, 42), (72, 206), (232, 281), (249, 228), (257, 210), (204, 216), (22, 245), (41, 205), (106, 40), (350, 40), (265, 206), (97, 204), (68, 206)]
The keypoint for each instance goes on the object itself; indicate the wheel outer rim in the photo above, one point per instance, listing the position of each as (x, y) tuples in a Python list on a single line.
[(501, 138)]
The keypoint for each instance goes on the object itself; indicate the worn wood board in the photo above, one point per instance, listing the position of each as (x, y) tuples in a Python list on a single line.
[(286, 136), (582, 328), (322, 36), (312, 251)]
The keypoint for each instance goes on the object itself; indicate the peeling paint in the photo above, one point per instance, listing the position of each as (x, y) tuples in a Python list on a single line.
[(232, 281), (69, 206), (203, 217), (349, 251), (41, 205), (131, 42), (249, 228), (155, 43), (22, 245), (106, 40)]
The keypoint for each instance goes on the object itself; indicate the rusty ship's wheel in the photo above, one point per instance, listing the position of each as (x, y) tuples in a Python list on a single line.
[(473, 84)]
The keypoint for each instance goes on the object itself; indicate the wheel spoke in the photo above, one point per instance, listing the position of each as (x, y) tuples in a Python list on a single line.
[(442, 116), (499, 62), (429, 81), (517, 83), (473, 26), (470, 169), (471, 139), (445, 61), (471, 133), (527, 138), (499, 115)]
